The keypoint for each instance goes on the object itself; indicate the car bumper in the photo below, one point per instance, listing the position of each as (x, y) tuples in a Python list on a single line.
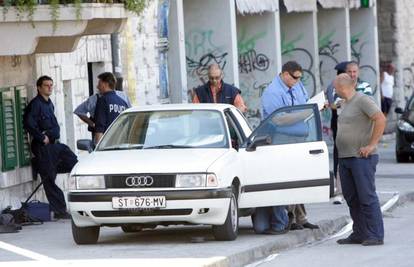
[(208, 206), (405, 142)]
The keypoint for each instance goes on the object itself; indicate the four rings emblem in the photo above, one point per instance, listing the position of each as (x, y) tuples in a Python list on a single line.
[(139, 181)]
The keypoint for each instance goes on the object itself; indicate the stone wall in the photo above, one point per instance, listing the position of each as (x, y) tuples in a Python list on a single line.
[(70, 74)]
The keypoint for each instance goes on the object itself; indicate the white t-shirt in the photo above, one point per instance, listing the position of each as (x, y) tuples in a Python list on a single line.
[(387, 85)]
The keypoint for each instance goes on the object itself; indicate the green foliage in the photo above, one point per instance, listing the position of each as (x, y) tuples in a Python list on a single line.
[(136, 6), (29, 6), (54, 12)]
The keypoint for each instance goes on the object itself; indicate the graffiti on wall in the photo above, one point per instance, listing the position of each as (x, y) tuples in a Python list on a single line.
[(328, 49), (366, 71), (202, 51), (291, 51), (253, 66)]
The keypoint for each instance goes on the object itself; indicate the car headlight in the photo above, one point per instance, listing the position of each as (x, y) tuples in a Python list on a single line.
[(196, 180), (405, 126), (87, 182)]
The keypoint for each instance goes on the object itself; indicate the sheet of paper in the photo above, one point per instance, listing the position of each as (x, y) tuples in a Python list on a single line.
[(318, 99)]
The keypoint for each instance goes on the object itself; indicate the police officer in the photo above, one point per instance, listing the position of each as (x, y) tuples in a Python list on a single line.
[(50, 157), (108, 106)]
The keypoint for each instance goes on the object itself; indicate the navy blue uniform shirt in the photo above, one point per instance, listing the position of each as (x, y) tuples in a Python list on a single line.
[(108, 107), (39, 120)]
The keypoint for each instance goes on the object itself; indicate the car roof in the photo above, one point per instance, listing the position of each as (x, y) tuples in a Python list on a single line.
[(185, 106)]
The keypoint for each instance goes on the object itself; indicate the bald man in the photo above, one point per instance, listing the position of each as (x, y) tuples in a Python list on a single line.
[(217, 91), (360, 127)]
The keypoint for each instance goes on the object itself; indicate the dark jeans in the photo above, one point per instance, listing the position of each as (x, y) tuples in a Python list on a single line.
[(358, 187), (334, 128), (49, 161)]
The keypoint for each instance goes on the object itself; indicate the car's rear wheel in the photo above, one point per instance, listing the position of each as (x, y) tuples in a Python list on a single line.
[(402, 157), (85, 235), (131, 228), (229, 230)]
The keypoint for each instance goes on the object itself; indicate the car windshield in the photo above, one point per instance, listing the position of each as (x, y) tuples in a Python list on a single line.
[(166, 130)]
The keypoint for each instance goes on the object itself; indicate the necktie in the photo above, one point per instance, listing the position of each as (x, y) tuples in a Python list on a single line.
[(291, 95)]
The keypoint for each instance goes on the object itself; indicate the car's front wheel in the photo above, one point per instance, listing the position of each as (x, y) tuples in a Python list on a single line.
[(229, 230), (85, 235)]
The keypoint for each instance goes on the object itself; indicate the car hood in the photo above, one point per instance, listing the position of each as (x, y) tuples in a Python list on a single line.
[(148, 161)]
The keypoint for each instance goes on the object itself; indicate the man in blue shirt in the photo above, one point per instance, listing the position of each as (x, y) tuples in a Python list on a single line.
[(50, 157), (108, 106), (285, 90)]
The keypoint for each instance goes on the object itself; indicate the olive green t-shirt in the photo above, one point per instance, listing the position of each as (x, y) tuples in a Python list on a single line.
[(355, 126)]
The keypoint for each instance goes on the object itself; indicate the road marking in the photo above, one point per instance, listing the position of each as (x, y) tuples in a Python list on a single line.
[(24, 252), (387, 205), (267, 259)]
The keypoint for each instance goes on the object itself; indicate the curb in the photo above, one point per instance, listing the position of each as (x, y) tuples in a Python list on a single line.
[(294, 239)]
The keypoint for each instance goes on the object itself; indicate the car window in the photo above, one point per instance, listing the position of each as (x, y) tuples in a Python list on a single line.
[(296, 124), (166, 129), (242, 121)]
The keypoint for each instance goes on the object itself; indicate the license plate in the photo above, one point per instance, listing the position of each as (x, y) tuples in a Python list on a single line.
[(138, 202)]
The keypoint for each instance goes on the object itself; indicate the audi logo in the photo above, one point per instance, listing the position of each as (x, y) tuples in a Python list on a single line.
[(139, 181)]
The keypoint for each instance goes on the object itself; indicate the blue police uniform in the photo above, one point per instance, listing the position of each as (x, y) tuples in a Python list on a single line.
[(108, 107), (39, 121)]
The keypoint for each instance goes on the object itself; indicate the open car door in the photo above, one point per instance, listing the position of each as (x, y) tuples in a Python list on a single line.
[(285, 160)]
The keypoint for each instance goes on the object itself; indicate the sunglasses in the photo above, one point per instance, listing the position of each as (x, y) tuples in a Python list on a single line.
[(216, 78), (294, 77)]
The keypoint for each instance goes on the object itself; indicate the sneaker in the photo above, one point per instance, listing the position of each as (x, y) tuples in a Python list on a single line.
[(372, 242), (310, 225), (348, 241), (62, 216), (338, 200)]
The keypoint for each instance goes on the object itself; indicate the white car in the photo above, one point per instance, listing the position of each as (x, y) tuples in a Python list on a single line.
[(196, 164)]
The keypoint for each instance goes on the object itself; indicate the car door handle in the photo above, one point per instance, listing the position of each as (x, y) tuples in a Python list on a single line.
[(316, 151)]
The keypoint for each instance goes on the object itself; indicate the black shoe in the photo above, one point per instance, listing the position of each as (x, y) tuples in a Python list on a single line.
[(295, 226), (348, 241), (62, 216), (275, 232), (373, 242), (310, 225)]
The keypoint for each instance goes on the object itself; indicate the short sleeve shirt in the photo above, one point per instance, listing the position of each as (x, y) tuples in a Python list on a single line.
[(108, 107), (355, 125)]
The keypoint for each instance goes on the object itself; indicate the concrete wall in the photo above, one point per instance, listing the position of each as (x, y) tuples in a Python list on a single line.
[(404, 39), (364, 45), (299, 43), (176, 54), (210, 37), (333, 42), (257, 44)]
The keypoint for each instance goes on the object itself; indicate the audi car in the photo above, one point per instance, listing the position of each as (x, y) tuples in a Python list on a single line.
[(196, 164), (404, 141)]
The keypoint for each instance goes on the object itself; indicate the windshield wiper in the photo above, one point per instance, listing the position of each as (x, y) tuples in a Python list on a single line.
[(122, 147), (167, 146)]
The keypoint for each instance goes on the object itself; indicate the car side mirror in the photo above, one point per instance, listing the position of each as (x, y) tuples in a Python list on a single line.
[(399, 110), (259, 141), (85, 144)]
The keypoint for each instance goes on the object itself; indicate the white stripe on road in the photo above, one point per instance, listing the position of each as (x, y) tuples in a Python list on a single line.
[(267, 259), (387, 205), (24, 252)]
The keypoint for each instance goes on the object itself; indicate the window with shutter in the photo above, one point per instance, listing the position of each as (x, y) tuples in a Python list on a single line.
[(22, 135), (8, 130)]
